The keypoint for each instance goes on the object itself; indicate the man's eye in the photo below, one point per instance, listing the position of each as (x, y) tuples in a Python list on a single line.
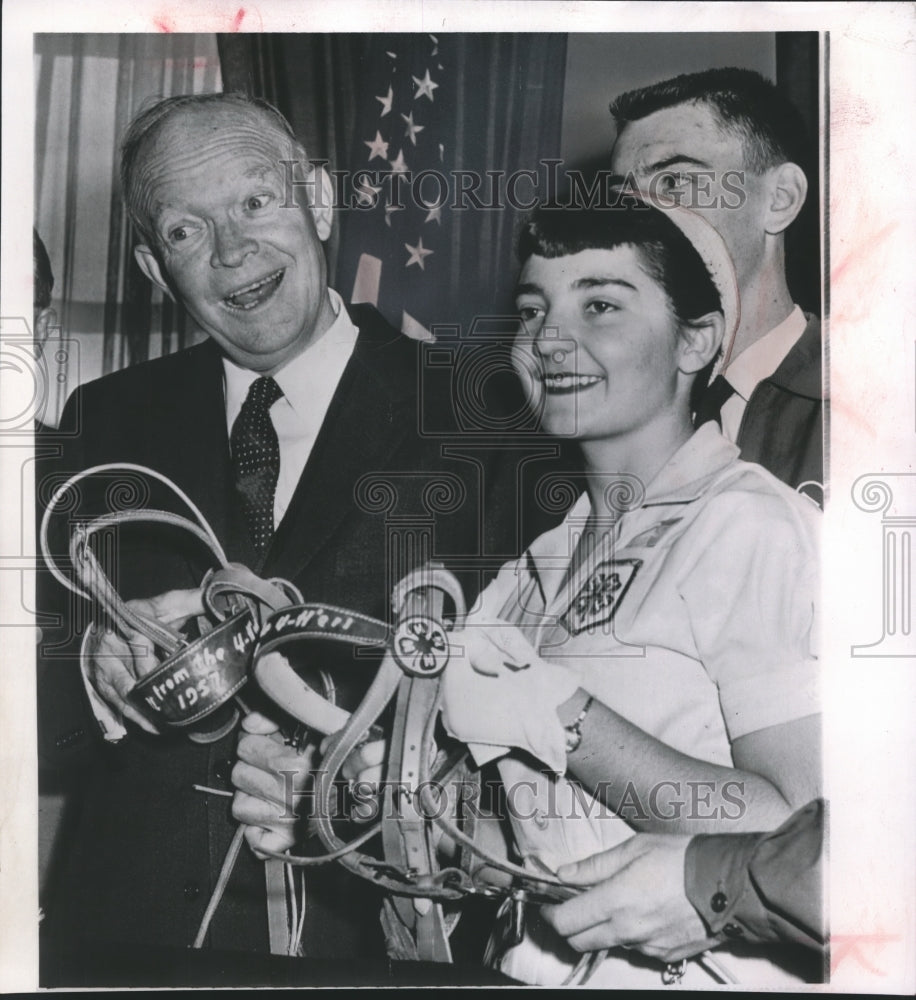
[(669, 181), (257, 201), (179, 234), (599, 307)]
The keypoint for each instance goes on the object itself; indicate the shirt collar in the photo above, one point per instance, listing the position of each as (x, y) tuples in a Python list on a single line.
[(764, 356), (319, 363), (684, 479)]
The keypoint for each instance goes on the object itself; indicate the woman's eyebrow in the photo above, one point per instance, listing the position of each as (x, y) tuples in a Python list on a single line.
[(599, 282)]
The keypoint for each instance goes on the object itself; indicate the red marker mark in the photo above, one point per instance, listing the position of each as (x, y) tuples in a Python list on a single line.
[(165, 24), (844, 946), (239, 17)]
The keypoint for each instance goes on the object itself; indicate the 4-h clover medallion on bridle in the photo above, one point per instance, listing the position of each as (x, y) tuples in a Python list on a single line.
[(420, 646)]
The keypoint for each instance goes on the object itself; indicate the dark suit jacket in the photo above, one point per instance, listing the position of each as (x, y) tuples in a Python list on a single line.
[(783, 424), (149, 848)]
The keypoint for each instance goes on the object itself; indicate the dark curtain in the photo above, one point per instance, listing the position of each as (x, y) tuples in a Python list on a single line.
[(797, 76), (313, 79), (497, 106)]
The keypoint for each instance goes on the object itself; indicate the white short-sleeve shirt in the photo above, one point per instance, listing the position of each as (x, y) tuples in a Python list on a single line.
[(694, 619)]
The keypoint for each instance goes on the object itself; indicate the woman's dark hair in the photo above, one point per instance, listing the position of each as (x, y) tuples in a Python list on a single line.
[(666, 254)]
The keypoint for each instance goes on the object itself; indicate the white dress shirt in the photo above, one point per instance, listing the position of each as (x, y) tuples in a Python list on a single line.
[(308, 382), (756, 363)]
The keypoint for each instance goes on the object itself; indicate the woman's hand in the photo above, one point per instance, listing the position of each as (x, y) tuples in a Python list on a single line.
[(498, 693)]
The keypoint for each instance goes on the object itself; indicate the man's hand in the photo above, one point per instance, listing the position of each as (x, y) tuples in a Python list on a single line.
[(639, 901), (364, 768), (116, 664), (269, 778)]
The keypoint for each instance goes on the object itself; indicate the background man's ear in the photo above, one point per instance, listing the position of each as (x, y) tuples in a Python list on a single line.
[(788, 189), (322, 206), (44, 320), (149, 265), (700, 342)]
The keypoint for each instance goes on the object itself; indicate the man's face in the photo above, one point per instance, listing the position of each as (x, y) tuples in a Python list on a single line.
[(682, 153), (249, 271), (598, 350)]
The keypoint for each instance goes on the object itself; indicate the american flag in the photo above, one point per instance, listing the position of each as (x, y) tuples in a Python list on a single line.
[(397, 225)]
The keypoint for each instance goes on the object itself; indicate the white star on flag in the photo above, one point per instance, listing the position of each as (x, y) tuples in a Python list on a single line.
[(386, 102), (388, 211), (377, 147), (366, 193), (412, 128), (434, 214), (399, 164), (425, 87), (417, 254)]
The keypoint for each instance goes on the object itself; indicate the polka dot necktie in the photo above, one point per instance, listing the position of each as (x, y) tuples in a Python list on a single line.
[(712, 401), (256, 459)]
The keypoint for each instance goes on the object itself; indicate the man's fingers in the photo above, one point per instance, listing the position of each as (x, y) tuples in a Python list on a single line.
[(259, 724), (114, 695), (143, 656), (261, 841), (174, 607), (141, 720), (604, 935), (603, 865), (365, 758), (254, 810)]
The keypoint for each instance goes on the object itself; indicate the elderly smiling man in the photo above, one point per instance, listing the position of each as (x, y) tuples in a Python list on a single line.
[(268, 425)]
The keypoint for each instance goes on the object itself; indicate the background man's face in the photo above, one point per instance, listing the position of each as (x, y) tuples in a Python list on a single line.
[(250, 272), (683, 153)]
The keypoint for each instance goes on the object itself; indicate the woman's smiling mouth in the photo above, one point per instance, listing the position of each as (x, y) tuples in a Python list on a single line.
[(254, 294), (557, 383)]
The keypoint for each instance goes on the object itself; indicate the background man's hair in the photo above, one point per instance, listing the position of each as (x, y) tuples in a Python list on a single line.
[(746, 105), (150, 122), (665, 253), (43, 276)]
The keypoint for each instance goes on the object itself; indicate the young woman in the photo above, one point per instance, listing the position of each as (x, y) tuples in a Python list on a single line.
[(649, 664)]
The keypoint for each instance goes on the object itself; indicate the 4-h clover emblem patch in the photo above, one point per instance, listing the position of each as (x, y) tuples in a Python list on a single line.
[(601, 595), (420, 646)]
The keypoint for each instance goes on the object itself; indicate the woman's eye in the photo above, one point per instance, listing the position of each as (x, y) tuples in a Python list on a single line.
[(257, 201), (528, 313), (600, 307)]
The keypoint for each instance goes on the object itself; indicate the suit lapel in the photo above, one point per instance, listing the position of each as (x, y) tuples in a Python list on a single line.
[(369, 416)]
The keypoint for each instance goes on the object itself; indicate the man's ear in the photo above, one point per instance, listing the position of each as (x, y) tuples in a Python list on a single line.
[(788, 189), (149, 265), (45, 319), (700, 342), (322, 202)]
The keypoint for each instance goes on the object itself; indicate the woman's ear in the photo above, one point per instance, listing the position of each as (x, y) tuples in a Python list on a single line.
[(700, 340)]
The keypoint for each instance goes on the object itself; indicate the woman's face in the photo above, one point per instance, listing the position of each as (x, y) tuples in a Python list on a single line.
[(598, 349)]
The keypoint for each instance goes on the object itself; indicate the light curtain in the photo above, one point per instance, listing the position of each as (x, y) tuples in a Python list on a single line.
[(87, 88)]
